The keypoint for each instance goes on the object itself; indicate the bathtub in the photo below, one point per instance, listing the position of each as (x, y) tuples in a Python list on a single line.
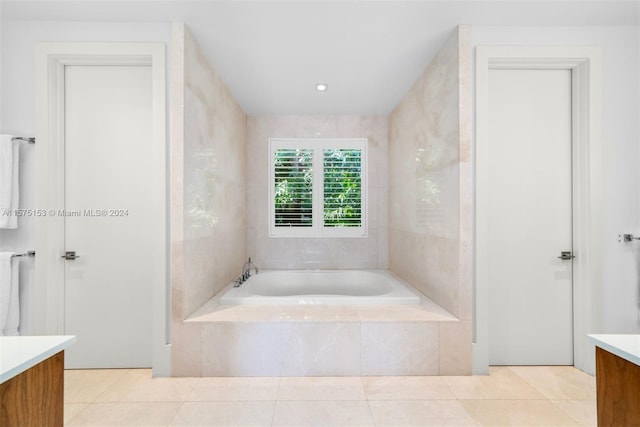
[(321, 287)]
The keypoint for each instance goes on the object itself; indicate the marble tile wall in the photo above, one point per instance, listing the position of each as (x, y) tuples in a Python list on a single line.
[(308, 348), (322, 341), (419, 226), (466, 179), (298, 253), (208, 168), (430, 190)]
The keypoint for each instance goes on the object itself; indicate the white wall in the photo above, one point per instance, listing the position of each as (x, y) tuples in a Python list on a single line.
[(17, 111), (616, 300)]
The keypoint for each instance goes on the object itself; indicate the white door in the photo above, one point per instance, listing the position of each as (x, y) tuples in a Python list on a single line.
[(108, 289), (530, 218)]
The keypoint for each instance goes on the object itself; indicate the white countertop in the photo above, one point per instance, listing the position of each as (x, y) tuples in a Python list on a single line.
[(17, 354), (624, 346)]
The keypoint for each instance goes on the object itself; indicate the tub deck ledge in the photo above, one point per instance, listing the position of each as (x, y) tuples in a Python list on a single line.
[(426, 311)]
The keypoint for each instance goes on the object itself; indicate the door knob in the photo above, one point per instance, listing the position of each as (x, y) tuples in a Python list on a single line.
[(566, 255), (70, 255)]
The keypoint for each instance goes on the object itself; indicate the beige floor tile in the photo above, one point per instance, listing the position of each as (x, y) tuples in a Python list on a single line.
[(420, 413), (85, 385), (517, 396), (520, 413), (559, 382), (584, 412), (500, 384), (127, 414), (224, 414), (229, 389), (73, 409), (321, 388), (405, 388), (325, 413), (137, 385)]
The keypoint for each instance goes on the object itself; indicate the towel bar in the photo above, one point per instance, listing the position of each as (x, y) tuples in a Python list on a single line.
[(24, 139), (28, 253)]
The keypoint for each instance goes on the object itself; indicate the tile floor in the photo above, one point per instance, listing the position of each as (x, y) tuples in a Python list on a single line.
[(510, 396)]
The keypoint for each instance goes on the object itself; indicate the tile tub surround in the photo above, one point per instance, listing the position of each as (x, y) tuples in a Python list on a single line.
[(429, 202), (430, 189), (433, 256), (319, 340), (208, 178), (208, 198), (317, 253)]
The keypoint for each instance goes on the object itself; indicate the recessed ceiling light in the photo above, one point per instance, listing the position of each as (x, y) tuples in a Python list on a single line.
[(321, 87)]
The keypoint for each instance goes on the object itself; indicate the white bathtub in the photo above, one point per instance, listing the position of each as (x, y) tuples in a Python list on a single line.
[(321, 287)]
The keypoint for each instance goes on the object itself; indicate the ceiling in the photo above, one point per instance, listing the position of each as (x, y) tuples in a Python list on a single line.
[(271, 54)]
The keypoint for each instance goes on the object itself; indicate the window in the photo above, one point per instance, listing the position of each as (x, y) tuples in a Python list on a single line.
[(317, 187)]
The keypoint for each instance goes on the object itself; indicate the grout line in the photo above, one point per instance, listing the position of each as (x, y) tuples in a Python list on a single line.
[(273, 412), (553, 402), (278, 390), (176, 414), (96, 398), (193, 389), (76, 415), (450, 390), (275, 401), (527, 382), (364, 390), (373, 419)]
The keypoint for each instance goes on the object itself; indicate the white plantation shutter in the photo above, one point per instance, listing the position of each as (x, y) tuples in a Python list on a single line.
[(293, 187), (342, 195), (317, 188)]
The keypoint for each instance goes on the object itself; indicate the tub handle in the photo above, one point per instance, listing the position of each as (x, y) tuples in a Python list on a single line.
[(70, 255), (566, 255)]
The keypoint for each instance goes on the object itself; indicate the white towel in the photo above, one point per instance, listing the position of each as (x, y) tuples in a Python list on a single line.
[(9, 294), (9, 189)]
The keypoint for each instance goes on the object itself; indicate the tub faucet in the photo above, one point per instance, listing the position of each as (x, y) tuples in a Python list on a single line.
[(246, 269)]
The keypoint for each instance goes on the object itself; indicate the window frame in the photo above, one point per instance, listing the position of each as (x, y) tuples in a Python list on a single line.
[(317, 229)]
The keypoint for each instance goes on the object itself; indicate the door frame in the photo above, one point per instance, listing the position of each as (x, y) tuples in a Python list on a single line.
[(587, 186), (51, 58)]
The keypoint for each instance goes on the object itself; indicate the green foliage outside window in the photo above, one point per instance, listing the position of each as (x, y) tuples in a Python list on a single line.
[(342, 188), (293, 188)]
